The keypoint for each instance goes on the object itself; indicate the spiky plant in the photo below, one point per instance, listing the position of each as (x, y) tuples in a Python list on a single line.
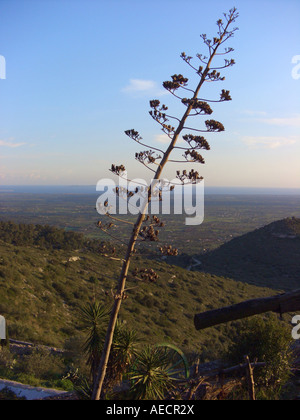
[(124, 346), (151, 377), (122, 356), (94, 317)]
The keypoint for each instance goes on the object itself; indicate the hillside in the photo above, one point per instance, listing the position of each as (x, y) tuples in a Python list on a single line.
[(268, 257), (46, 237), (41, 289)]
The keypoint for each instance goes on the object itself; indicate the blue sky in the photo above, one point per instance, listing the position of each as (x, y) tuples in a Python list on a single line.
[(79, 73)]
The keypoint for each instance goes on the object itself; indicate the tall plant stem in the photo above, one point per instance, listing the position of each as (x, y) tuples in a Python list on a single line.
[(98, 385)]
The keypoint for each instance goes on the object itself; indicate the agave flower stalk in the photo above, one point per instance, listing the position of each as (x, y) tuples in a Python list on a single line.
[(194, 106)]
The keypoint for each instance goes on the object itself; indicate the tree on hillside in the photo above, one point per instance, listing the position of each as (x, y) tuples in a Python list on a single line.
[(147, 228)]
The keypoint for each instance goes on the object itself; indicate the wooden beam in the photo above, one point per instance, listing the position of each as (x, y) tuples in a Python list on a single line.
[(287, 302)]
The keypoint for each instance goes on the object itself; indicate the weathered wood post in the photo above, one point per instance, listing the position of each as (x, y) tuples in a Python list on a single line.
[(287, 302), (250, 379)]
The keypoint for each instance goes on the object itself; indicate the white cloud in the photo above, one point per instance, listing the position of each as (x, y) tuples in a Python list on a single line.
[(283, 122), (5, 143), (162, 138), (293, 121), (138, 85), (144, 87), (165, 139), (268, 142), (35, 175), (252, 113)]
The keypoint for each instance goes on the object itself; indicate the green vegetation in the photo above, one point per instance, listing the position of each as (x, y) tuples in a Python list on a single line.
[(39, 368), (41, 291), (152, 371), (43, 285), (151, 378), (94, 317), (265, 340), (46, 237)]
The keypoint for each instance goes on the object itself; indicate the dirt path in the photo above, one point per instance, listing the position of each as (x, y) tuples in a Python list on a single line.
[(29, 392), (196, 263)]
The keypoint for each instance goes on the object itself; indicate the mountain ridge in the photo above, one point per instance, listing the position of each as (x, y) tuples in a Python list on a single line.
[(268, 256)]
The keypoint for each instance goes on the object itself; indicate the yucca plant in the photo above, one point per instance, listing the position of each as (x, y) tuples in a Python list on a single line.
[(94, 317), (124, 346), (83, 388), (122, 356), (151, 376)]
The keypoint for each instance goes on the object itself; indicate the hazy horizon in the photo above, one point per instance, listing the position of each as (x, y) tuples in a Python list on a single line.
[(91, 189)]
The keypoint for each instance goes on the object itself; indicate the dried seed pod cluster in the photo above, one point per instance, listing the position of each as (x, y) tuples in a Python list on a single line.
[(147, 156), (193, 156), (168, 250), (134, 135), (225, 95), (146, 274), (105, 226), (196, 142), (192, 176), (124, 192), (149, 233), (177, 81), (213, 125), (201, 107), (118, 170)]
